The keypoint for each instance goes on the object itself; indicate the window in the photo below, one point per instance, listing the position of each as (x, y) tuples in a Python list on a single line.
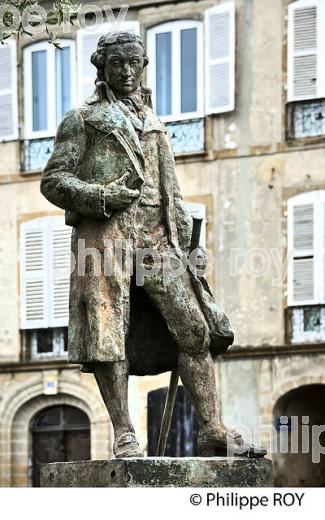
[(8, 91), (176, 50), (49, 86), (45, 273), (51, 76), (306, 69), (306, 253), (184, 65)]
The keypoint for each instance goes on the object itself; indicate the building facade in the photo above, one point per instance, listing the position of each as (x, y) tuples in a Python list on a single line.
[(240, 86)]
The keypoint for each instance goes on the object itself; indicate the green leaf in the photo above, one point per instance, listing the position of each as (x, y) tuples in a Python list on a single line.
[(5, 37)]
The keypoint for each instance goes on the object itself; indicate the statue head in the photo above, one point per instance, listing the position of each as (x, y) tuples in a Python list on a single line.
[(120, 59)]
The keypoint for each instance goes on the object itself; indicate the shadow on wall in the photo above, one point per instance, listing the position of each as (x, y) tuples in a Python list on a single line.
[(303, 464)]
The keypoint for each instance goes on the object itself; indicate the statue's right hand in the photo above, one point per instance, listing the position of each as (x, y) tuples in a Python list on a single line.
[(118, 196)]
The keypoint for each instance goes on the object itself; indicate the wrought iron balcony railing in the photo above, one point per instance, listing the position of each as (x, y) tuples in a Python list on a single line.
[(306, 119), (305, 324), (44, 344), (186, 136), (35, 153)]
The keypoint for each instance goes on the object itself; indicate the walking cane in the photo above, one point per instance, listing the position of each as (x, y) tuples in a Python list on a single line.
[(173, 384)]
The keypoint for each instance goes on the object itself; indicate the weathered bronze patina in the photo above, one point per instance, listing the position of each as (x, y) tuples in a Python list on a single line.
[(113, 172)]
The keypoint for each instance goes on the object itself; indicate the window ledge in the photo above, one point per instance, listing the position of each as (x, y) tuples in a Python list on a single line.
[(248, 351), (27, 173), (7, 141), (305, 141), (184, 156), (34, 365), (274, 350)]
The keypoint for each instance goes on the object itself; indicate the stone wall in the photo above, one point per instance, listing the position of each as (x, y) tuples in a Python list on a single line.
[(23, 395)]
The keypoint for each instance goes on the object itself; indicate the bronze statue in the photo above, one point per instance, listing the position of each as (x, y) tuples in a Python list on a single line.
[(113, 171)]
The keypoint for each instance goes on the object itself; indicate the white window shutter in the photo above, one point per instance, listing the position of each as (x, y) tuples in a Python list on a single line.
[(33, 263), (87, 40), (303, 236), (59, 236), (306, 50), (45, 273), (219, 32), (8, 91)]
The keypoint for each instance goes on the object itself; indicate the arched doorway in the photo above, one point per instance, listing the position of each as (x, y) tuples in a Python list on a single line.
[(304, 408), (59, 434)]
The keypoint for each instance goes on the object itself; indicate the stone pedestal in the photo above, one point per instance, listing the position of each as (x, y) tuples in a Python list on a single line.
[(160, 472)]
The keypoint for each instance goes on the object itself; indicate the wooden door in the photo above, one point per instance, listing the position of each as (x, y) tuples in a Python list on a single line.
[(183, 429), (59, 434)]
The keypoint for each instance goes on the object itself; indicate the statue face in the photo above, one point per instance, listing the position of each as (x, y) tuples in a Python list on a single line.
[(123, 67)]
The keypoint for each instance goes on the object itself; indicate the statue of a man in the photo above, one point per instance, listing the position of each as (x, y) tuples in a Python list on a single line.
[(113, 171)]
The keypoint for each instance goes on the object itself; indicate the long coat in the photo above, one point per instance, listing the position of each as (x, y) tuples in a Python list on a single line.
[(95, 145)]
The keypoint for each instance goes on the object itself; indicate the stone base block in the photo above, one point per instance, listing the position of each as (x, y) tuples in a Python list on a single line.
[(160, 472)]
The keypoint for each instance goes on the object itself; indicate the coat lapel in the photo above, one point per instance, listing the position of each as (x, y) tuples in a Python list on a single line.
[(116, 116), (110, 118)]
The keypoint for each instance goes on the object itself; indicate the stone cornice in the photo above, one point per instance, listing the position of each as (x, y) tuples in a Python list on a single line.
[(235, 352), (274, 350)]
